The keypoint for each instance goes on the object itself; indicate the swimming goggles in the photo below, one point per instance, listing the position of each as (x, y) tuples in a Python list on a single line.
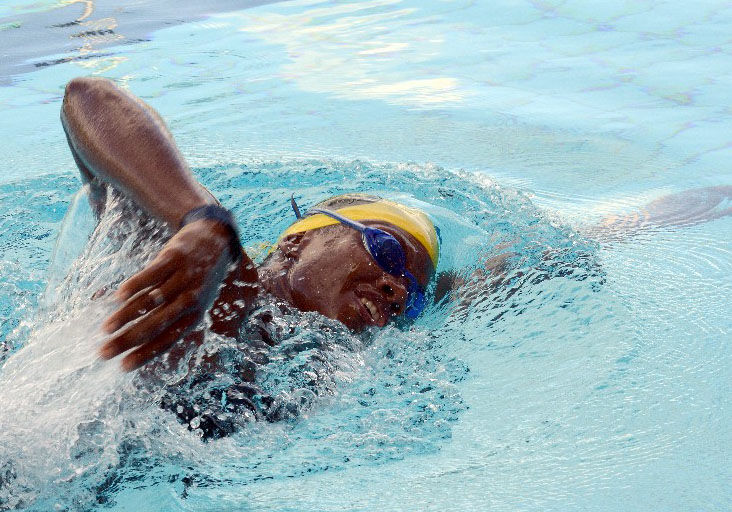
[(387, 252)]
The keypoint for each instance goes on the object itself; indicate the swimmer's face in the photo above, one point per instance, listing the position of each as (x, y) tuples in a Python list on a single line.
[(333, 273)]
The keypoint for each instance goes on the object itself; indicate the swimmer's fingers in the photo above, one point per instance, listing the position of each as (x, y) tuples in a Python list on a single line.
[(143, 302), (160, 344), (151, 326), (135, 307), (158, 270)]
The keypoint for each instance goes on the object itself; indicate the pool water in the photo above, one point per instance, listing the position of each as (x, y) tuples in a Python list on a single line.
[(587, 373)]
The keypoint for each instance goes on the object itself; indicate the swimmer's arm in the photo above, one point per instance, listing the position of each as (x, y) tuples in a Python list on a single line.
[(118, 139), (682, 209), (672, 211)]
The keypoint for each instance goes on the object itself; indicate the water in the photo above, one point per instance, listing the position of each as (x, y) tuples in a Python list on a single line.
[(594, 377)]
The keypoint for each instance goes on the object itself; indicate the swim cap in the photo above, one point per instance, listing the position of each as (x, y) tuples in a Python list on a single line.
[(365, 207)]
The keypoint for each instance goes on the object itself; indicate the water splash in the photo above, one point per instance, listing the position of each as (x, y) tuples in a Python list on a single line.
[(82, 433)]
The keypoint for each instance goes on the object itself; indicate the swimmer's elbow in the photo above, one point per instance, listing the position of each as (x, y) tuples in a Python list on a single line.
[(84, 90), (85, 85)]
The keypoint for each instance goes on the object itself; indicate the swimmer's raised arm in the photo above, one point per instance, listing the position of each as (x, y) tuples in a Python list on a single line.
[(118, 139)]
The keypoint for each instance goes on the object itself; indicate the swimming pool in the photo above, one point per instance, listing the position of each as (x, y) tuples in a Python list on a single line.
[(597, 379)]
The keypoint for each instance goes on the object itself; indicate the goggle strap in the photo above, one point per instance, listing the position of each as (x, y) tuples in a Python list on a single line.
[(348, 222), (294, 206)]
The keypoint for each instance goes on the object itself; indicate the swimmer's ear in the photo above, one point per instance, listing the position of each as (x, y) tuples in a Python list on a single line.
[(290, 245)]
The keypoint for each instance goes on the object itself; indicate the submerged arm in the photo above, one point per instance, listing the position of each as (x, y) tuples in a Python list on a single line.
[(118, 139), (682, 209), (678, 210)]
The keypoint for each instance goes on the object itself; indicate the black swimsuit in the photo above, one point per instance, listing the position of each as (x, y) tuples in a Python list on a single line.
[(216, 399)]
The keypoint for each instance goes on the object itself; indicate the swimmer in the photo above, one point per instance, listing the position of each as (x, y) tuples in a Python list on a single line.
[(357, 259)]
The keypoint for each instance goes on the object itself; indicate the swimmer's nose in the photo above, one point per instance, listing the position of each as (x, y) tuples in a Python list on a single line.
[(394, 292)]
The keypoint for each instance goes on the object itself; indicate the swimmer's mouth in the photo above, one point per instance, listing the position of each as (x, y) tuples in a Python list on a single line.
[(370, 307), (370, 311)]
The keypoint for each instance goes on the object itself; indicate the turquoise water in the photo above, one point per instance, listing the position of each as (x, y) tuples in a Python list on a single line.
[(595, 376)]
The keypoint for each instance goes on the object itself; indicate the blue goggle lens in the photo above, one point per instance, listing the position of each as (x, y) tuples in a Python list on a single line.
[(386, 250), (389, 255)]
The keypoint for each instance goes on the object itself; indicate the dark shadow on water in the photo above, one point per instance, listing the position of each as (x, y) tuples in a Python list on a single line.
[(81, 30)]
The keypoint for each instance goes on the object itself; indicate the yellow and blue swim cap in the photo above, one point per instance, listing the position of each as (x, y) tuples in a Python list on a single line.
[(365, 207)]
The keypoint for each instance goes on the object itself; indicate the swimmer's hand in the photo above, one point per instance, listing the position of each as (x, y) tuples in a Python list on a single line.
[(168, 298)]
